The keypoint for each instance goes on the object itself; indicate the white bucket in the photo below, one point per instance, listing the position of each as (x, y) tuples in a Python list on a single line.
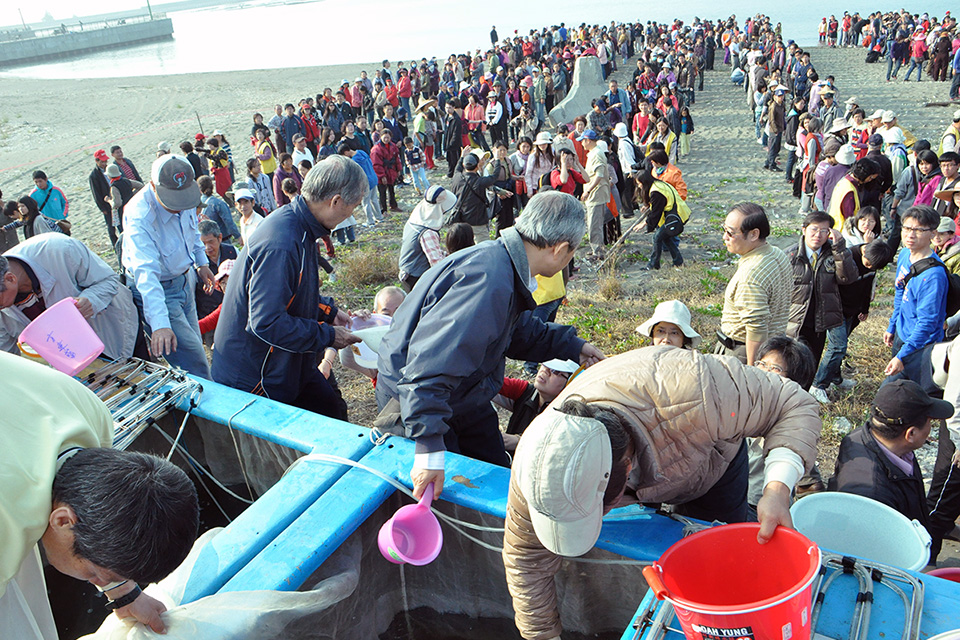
[(853, 525), (949, 635)]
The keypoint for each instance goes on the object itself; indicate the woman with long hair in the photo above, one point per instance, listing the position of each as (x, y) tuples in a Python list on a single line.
[(659, 200), (539, 163), (328, 146), (33, 222), (930, 178)]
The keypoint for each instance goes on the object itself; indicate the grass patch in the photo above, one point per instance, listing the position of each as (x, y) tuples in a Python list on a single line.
[(364, 267)]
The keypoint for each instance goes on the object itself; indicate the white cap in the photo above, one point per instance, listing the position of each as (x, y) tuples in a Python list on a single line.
[(620, 130), (888, 116), (244, 194), (846, 155), (562, 466), (563, 366), (674, 312), (876, 114)]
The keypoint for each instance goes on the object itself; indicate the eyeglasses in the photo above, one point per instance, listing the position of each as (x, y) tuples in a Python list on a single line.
[(818, 231), (770, 367), (732, 233), (915, 230)]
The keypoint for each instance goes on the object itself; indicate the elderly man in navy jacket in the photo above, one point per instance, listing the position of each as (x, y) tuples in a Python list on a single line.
[(442, 361), (274, 321)]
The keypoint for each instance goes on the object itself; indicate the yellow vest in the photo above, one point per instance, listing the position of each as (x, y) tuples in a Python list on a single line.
[(549, 289), (839, 193), (952, 129), (674, 201), (267, 166)]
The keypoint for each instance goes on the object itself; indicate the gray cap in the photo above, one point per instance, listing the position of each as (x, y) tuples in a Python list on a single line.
[(172, 175), (470, 161), (113, 171)]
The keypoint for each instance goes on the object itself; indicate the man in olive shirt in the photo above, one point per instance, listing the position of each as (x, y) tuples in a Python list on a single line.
[(596, 193), (756, 303)]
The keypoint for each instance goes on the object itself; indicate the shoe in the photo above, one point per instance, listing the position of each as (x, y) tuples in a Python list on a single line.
[(846, 384), (820, 395), (776, 169), (396, 209)]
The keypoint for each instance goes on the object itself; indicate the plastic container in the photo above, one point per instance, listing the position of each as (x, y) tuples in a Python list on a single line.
[(371, 330), (853, 525), (949, 635), (62, 337), (725, 585), (947, 573), (413, 534)]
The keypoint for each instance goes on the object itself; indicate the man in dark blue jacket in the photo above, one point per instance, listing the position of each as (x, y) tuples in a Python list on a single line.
[(274, 321), (291, 125), (442, 361)]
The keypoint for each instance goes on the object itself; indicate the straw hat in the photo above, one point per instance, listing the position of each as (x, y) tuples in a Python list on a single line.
[(947, 194), (674, 312), (423, 106)]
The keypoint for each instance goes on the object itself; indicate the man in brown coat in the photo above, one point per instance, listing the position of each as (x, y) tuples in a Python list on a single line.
[(659, 424), (777, 123)]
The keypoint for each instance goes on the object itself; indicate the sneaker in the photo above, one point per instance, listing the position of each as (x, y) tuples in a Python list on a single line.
[(820, 395), (846, 384)]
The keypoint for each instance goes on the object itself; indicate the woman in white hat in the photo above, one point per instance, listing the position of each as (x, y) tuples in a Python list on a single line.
[(670, 326), (539, 163)]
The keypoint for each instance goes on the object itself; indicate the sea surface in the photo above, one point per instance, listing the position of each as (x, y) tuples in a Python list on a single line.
[(272, 34)]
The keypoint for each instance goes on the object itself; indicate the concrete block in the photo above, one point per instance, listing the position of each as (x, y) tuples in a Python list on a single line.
[(587, 85)]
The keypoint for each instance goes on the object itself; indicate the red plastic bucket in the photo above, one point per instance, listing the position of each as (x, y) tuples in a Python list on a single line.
[(724, 585)]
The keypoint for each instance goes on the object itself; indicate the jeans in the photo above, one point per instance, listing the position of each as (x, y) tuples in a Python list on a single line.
[(405, 104), (420, 179), (944, 497), (915, 63), (774, 151), (542, 113), (955, 86), (829, 370), (546, 312), (893, 66), (346, 234), (179, 296), (661, 240), (791, 163), (372, 207)]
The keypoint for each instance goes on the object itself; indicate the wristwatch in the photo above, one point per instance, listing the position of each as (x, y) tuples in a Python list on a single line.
[(124, 600)]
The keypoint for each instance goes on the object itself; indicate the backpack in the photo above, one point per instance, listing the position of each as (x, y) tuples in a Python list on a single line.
[(953, 281)]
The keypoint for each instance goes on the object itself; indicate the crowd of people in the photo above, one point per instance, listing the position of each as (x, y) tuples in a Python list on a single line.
[(220, 276)]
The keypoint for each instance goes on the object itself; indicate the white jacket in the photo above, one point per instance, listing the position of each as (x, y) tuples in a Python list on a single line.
[(66, 268)]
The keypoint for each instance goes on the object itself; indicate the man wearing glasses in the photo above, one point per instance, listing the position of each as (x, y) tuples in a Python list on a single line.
[(821, 263), (756, 303), (920, 297)]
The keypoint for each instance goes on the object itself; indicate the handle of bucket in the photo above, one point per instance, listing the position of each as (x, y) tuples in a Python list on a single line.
[(655, 581), (427, 498), (33, 355)]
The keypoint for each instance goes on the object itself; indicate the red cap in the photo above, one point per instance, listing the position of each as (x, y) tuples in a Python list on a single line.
[(199, 136), (100, 154)]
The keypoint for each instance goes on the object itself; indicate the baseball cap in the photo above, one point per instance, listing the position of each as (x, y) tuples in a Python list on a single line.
[(470, 161), (562, 466), (244, 194), (225, 268), (888, 116), (902, 402), (172, 175), (947, 225), (875, 140), (297, 137), (588, 134), (101, 154), (831, 146), (876, 115), (563, 366), (956, 115)]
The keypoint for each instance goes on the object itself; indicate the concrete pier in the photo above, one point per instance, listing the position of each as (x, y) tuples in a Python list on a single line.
[(53, 44)]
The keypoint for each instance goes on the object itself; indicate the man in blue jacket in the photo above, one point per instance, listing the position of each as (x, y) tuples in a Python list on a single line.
[(274, 321), (290, 126), (920, 296), (442, 361), (371, 205)]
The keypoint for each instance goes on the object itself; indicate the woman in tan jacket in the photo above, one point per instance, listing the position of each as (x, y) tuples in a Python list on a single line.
[(657, 424)]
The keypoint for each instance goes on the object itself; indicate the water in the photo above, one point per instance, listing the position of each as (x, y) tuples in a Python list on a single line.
[(355, 31)]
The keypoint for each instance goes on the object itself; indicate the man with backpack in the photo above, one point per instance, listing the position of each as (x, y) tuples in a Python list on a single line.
[(920, 295)]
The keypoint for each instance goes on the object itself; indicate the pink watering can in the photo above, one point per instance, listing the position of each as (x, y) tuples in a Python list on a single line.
[(413, 534)]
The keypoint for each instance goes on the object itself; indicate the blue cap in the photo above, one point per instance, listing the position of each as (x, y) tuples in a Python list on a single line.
[(588, 134)]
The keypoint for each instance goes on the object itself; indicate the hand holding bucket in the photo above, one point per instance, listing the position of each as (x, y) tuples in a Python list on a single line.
[(413, 534)]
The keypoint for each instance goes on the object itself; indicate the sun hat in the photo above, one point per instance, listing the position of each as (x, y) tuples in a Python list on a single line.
[(956, 115), (113, 171), (846, 155), (888, 116), (244, 194), (620, 130), (543, 138), (945, 195), (894, 136), (225, 268), (839, 124), (172, 176), (436, 202), (947, 225), (851, 100), (101, 154), (163, 146), (675, 312), (562, 466)]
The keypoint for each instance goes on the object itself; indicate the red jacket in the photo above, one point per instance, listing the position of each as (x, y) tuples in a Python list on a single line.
[(391, 91), (386, 161), (310, 127), (404, 89)]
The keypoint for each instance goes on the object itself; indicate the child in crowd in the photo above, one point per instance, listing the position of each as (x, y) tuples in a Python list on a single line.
[(686, 130), (416, 163), (385, 303)]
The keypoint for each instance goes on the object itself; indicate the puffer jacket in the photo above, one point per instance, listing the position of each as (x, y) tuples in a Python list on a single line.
[(836, 268), (687, 414)]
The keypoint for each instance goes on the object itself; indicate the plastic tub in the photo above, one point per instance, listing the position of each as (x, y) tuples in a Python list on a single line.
[(853, 525), (723, 584), (62, 337), (371, 330)]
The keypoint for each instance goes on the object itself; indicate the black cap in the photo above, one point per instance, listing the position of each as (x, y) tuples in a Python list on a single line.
[(470, 161), (905, 403)]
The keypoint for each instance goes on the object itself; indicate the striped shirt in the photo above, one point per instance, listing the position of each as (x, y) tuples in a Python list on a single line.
[(756, 304)]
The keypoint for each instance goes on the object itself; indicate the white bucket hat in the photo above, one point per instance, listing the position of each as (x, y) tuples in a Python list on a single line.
[(675, 312), (562, 466), (543, 138), (620, 130), (846, 155)]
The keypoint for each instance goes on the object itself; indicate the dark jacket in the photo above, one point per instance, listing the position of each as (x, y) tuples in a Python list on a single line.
[(471, 189), (834, 267), (872, 193), (863, 468), (452, 133), (775, 118), (133, 167), (476, 304), (274, 320), (858, 294), (289, 127), (100, 189), (790, 128)]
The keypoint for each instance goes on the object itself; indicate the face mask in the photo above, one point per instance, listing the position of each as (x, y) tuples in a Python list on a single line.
[(659, 171)]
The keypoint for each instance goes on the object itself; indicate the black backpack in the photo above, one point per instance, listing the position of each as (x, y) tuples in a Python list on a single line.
[(953, 281)]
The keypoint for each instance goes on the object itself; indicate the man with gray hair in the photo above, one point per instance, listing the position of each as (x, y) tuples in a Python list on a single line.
[(442, 361), (274, 324)]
